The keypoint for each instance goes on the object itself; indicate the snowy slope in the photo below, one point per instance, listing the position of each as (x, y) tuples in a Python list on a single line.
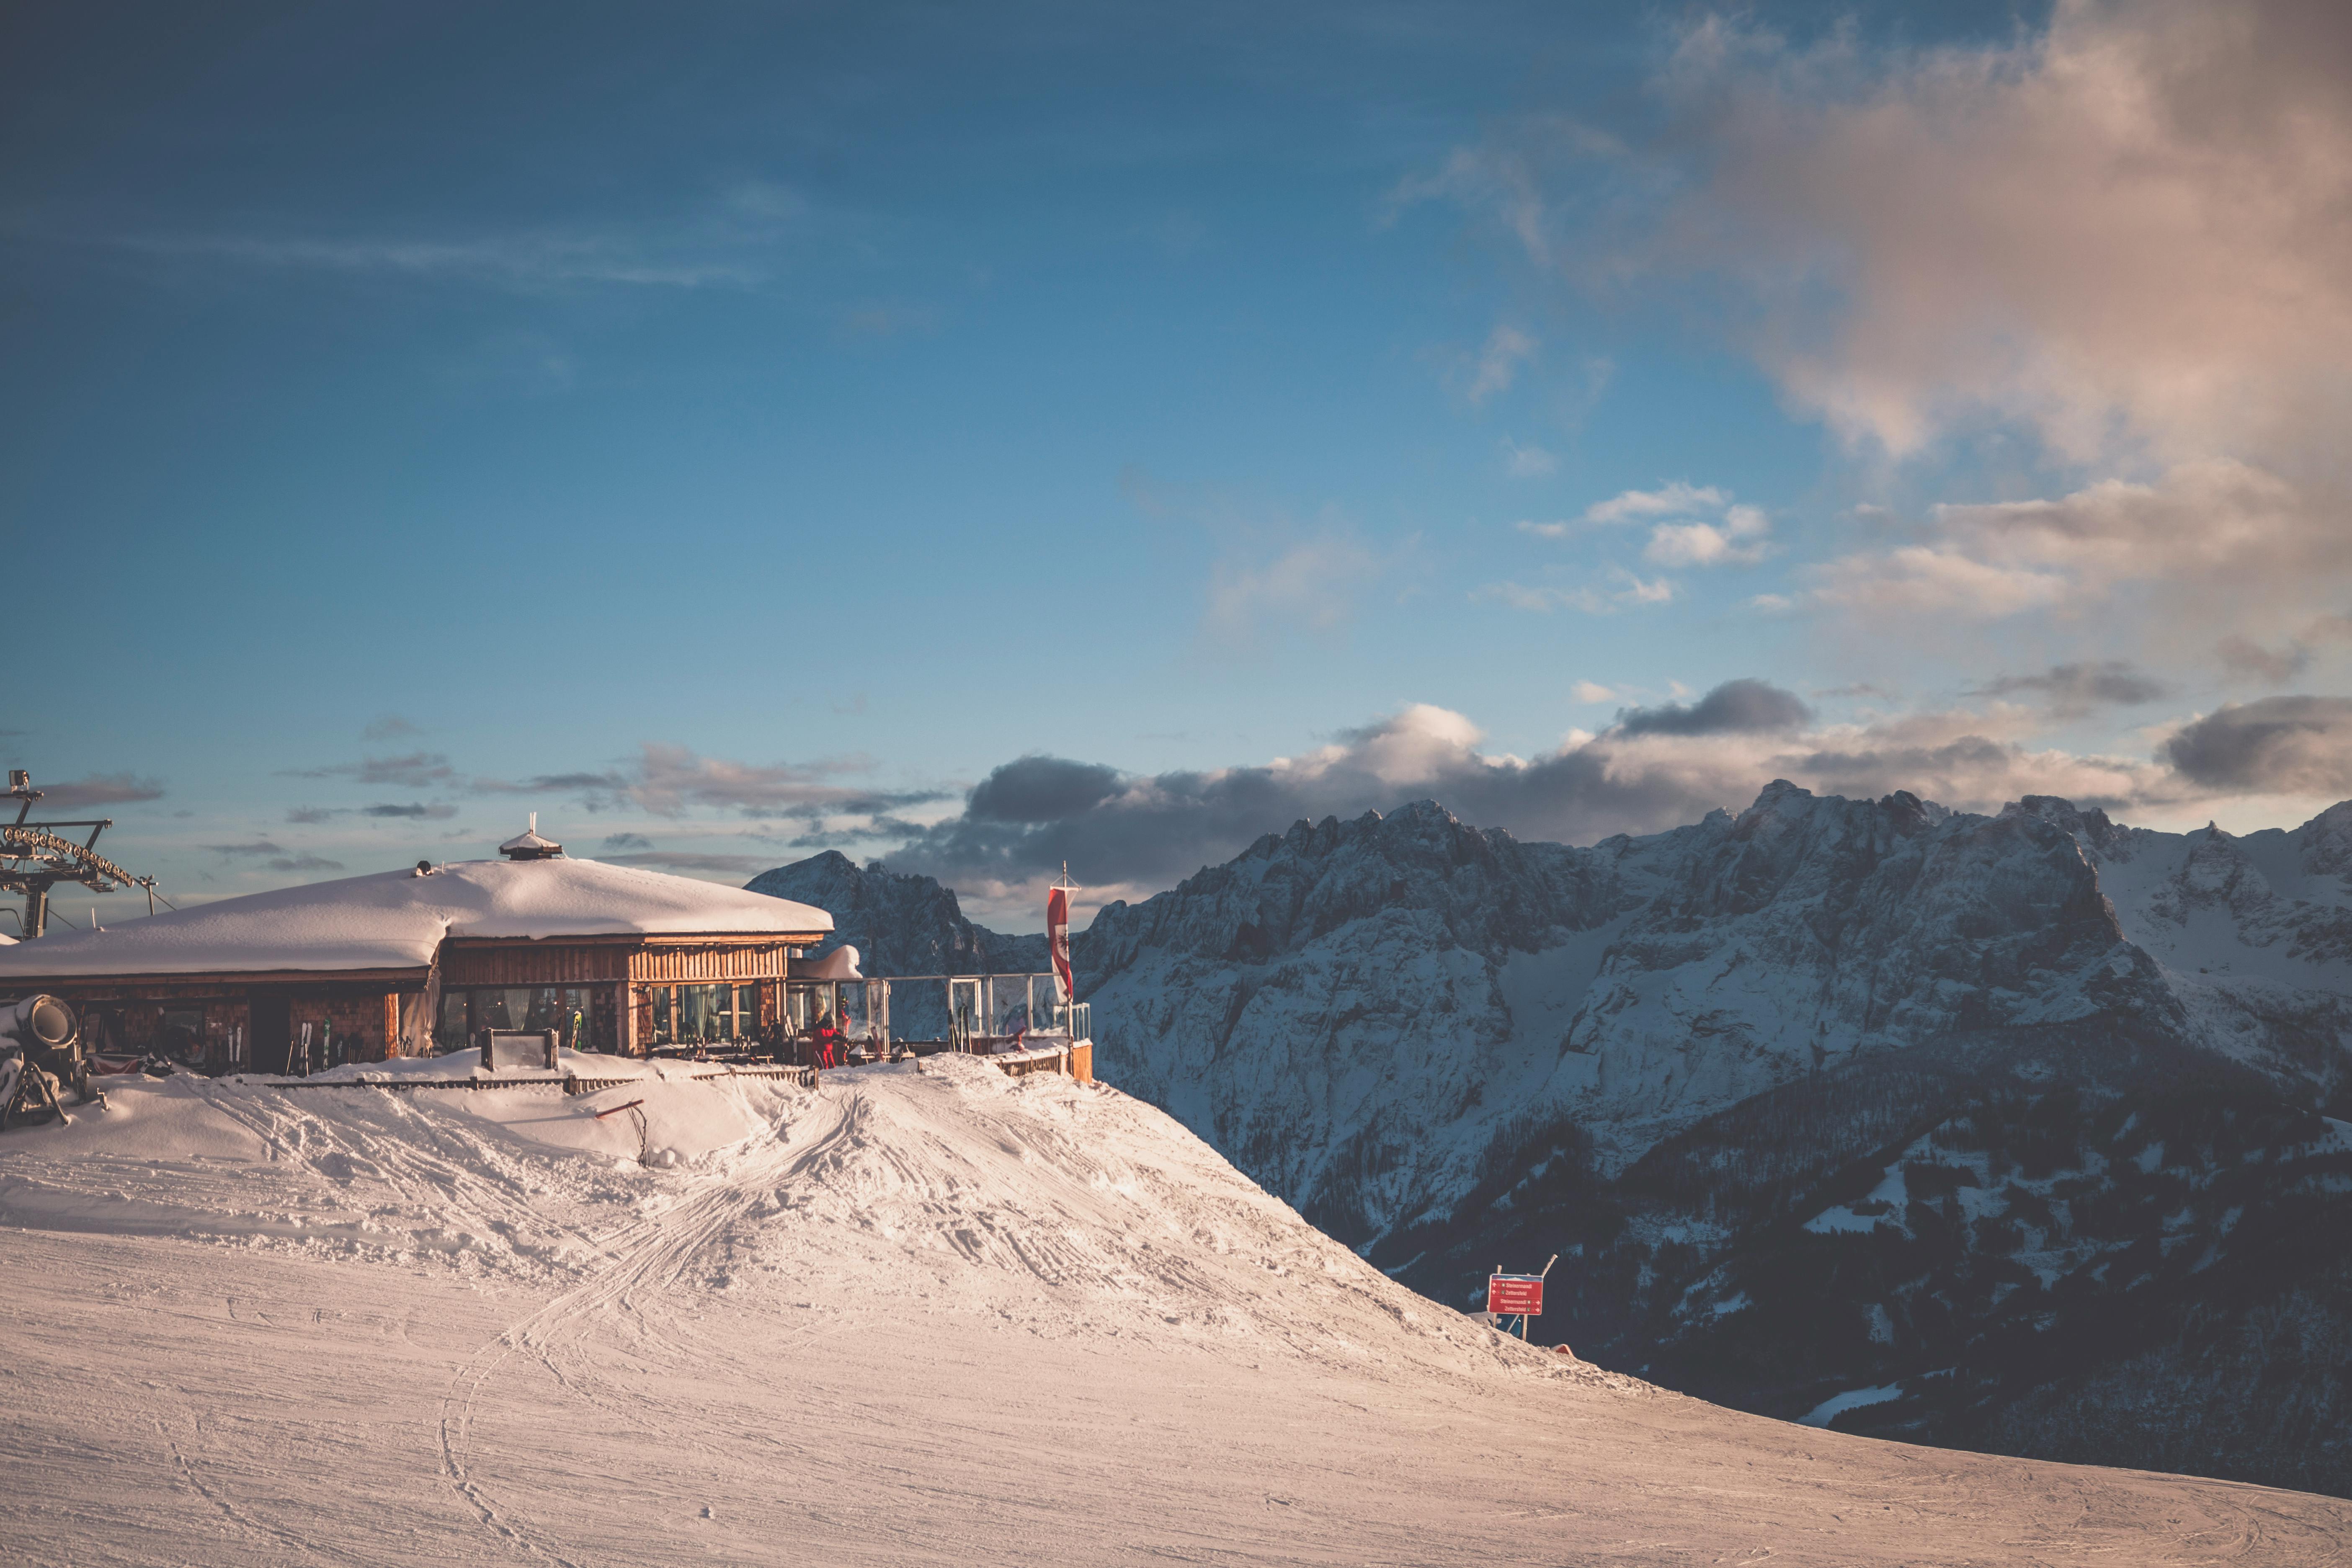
[(907, 1318), (2253, 933)]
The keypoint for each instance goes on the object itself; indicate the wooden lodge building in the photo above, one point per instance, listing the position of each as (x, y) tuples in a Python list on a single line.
[(615, 958)]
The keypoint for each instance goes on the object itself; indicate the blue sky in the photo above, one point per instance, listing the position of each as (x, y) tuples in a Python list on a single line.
[(745, 431)]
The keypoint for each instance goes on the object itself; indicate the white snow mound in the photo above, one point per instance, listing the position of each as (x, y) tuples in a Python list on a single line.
[(935, 1316)]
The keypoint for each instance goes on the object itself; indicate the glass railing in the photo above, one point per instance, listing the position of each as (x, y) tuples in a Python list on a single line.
[(962, 1011)]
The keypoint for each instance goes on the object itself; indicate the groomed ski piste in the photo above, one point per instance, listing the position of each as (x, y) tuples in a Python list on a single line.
[(920, 1314)]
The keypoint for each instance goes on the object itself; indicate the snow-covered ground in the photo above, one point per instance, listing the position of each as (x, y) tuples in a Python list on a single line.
[(907, 1317)]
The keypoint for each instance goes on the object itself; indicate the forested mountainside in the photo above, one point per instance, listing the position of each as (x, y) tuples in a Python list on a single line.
[(2009, 1131)]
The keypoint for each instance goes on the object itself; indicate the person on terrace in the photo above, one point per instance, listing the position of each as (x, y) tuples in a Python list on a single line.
[(827, 1038)]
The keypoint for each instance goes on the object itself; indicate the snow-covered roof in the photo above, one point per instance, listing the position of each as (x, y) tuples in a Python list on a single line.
[(841, 964), (529, 845), (395, 919)]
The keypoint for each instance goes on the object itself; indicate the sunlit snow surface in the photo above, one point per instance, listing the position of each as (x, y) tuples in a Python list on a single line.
[(935, 1317)]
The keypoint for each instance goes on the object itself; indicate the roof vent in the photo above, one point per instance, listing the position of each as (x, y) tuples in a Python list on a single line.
[(528, 845)]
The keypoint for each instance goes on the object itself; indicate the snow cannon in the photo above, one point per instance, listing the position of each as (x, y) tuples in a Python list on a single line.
[(42, 1024), (40, 1054)]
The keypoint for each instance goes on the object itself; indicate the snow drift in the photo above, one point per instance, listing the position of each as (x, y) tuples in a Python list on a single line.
[(934, 1316)]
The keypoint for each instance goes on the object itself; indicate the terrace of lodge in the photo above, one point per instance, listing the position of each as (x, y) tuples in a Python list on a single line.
[(609, 958)]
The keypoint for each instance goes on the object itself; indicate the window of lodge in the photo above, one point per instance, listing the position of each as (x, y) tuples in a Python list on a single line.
[(806, 1001), (699, 1014), (581, 1015)]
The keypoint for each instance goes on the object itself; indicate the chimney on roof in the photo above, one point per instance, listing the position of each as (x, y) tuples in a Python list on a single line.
[(528, 845)]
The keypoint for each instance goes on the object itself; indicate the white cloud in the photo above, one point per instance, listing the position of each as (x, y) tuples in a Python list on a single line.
[(2211, 521), (1624, 590), (1738, 540), (1678, 499), (729, 240), (1710, 529), (1315, 584), (1634, 591), (1917, 579), (2118, 241), (1527, 462), (1520, 596), (1496, 366), (526, 262), (2216, 544), (2136, 213), (1592, 691)]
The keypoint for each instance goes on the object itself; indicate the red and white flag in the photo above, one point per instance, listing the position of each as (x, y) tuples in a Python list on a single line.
[(1057, 938)]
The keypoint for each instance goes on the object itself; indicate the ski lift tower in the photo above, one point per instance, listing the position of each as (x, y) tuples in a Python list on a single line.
[(34, 857)]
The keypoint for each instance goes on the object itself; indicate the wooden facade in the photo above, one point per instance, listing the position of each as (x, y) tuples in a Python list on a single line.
[(250, 1020), (588, 960), (253, 1018)]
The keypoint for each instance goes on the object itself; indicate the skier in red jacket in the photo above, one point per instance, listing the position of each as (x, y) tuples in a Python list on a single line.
[(827, 1038)]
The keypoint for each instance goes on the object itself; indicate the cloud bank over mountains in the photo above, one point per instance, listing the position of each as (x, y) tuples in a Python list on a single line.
[(1130, 835), (1127, 835)]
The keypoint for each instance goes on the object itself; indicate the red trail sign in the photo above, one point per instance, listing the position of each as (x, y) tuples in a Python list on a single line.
[(1515, 1295)]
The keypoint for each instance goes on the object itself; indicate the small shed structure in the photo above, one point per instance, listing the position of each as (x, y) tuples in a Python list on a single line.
[(613, 957)]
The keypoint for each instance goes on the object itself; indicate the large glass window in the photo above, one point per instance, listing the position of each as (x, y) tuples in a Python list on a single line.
[(581, 1015), (703, 1015), (807, 1001), (183, 1032)]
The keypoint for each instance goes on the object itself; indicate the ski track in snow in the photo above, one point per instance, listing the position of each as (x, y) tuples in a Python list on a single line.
[(648, 1256), (934, 1317)]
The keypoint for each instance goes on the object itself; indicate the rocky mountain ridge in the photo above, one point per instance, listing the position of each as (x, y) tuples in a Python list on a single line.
[(1694, 1061), (899, 924)]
